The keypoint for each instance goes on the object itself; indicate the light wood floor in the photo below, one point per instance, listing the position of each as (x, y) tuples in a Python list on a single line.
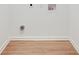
[(49, 47)]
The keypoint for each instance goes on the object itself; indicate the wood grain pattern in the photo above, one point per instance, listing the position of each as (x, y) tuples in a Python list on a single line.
[(41, 47)]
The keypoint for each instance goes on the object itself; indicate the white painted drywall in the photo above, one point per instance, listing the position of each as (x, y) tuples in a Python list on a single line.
[(74, 23), (38, 20), (3, 24)]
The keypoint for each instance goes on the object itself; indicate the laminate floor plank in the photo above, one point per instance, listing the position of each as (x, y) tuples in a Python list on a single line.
[(40, 47)]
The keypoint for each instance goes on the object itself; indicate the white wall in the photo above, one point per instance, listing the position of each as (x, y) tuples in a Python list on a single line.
[(39, 21), (3, 24), (74, 23)]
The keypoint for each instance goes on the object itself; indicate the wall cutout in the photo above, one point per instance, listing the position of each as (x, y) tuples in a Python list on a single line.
[(22, 28), (30, 5), (51, 7)]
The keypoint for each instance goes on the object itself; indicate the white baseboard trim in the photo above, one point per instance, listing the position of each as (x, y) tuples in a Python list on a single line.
[(37, 39), (4, 46), (40, 37)]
